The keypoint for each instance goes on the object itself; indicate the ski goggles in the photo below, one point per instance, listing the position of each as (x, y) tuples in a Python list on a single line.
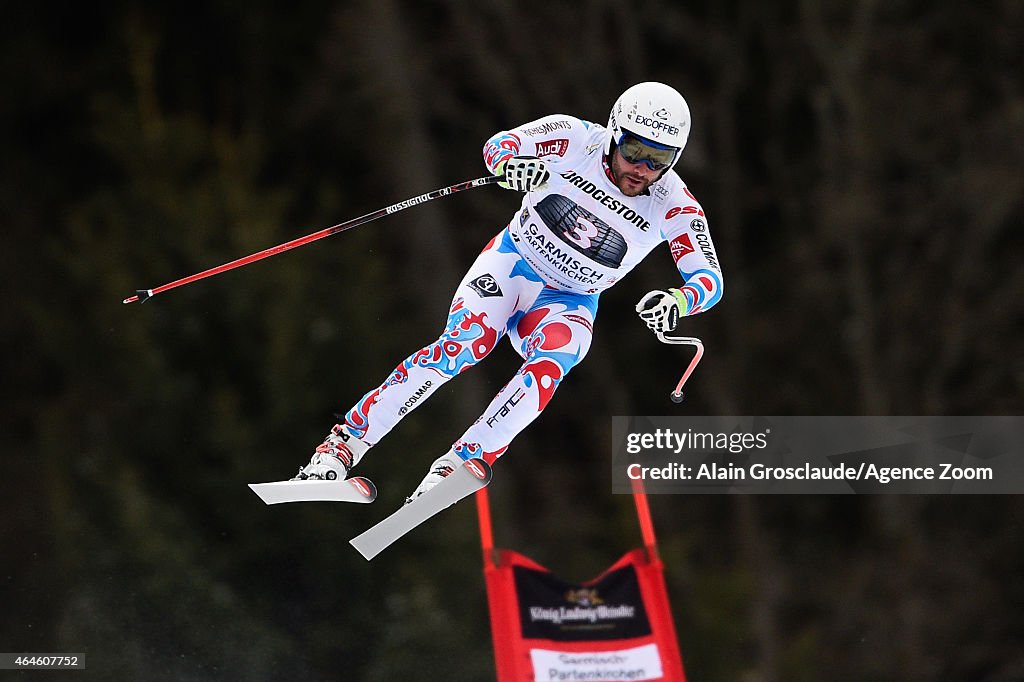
[(636, 149)]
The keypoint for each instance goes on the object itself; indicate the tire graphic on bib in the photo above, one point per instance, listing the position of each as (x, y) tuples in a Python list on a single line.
[(582, 230)]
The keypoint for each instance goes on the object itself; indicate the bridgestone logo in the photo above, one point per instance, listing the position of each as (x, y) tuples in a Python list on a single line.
[(608, 201)]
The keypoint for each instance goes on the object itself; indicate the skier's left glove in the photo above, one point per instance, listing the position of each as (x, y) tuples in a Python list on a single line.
[(660, 310), (523, 173)]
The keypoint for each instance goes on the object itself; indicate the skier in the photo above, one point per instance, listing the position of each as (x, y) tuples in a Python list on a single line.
[(597, 201)]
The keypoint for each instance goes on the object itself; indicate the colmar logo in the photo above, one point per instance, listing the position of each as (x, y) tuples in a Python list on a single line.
[(415, 397), (556, 147), (681, 246)]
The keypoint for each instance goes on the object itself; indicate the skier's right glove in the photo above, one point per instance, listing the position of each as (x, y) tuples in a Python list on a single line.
[(523, 173), (660, 310)]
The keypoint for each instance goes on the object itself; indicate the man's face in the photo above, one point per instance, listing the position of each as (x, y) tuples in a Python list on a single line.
[(632, 179)]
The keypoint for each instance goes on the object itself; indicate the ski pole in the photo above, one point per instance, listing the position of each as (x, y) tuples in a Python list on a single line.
[(677, 395), (144, 294)]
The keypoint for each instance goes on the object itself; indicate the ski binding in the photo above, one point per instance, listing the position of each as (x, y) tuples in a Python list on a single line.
[(355, 489)]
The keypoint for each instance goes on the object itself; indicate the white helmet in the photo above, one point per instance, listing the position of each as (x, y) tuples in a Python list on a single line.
[(653, 111)]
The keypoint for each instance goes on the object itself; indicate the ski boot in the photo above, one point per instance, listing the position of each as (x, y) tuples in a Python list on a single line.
[(442, 467), (335, 457)]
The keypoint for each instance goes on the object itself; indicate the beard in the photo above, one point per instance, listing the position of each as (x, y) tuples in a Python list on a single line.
[(633, 185), (629, 183)]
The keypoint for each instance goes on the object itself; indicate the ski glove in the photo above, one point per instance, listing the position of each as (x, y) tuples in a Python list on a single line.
[(660, 310), (523, 173)]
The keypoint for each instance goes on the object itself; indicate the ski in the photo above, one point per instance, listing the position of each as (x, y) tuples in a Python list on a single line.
[(473, 475), (355, 489)]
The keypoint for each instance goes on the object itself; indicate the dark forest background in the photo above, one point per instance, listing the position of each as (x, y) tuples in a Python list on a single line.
[(861, 165)]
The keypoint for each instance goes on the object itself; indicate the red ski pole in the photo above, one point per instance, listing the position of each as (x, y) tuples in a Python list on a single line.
[(677, 395), (144, 294)]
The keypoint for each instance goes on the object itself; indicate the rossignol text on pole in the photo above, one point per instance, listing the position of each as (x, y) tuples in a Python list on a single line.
[(143, 294)]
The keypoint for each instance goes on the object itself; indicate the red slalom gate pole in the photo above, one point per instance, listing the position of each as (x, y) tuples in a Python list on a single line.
[(483, 511), (144, 294), (643, 512)]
